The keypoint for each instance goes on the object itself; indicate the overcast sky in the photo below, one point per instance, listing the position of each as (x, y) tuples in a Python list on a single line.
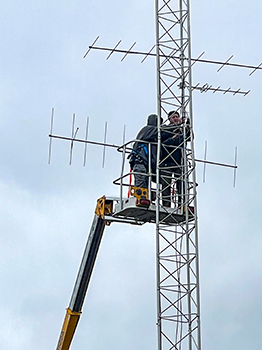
[(47, 210)]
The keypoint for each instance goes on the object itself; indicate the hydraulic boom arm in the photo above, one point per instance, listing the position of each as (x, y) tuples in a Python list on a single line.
[(84, 274)]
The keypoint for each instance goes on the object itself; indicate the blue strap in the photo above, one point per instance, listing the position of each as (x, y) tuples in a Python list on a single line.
[(145, 148)]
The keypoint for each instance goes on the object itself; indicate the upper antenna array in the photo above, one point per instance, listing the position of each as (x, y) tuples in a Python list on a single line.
[(202, 88)]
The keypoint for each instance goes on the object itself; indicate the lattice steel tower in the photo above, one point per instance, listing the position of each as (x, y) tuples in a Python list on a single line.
[(177, 242)]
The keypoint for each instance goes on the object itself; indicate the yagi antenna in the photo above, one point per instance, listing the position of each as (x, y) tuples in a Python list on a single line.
[(174, 57), (104, 144), (206, 87)]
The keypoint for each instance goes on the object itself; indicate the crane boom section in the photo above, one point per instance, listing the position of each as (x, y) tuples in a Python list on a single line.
[(82, 281), (87, 264)]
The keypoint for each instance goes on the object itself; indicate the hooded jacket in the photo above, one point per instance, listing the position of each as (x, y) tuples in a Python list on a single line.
[(140, 152)]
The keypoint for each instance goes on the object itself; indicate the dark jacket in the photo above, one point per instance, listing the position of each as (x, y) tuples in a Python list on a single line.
[(172, 150), (140, 152)]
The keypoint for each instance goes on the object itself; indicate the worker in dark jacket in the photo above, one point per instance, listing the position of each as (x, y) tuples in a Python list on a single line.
[(139, 157), (172, 157)]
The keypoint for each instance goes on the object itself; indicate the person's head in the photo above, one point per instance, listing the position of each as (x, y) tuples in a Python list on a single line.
[(152, 120), (174, 117)]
